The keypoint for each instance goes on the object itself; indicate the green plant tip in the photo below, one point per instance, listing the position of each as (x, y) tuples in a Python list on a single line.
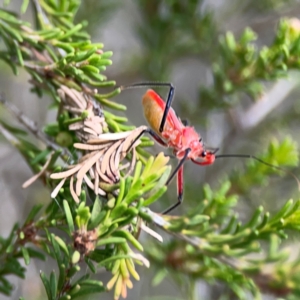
[(64, 139), (75, 257)]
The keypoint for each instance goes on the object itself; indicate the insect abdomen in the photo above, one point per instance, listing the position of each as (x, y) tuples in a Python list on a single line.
[(153, 109)]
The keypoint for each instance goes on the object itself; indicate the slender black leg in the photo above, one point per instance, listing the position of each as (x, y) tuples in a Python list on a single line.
[(153, 134), (179, 191), (179, 172), (169, 99), (185, 122), (167, 107), (187, 151)]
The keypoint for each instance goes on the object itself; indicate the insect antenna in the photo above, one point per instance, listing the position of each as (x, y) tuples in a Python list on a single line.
[(262, 162), (147, 84)]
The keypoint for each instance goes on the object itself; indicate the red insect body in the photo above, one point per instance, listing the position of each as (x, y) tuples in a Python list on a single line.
[(175, 134), (168, 130)]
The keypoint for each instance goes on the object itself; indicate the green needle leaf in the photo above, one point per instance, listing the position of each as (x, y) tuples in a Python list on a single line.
[(68, 216), (46, 284)]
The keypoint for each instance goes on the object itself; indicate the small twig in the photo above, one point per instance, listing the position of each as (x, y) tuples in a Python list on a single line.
[(9, 136), (31, 180), (41, 12), (268, 102), (36, 67), (31, 126), (199, 243)]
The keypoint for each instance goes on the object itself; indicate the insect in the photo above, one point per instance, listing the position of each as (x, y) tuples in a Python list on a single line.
[(169, 131)]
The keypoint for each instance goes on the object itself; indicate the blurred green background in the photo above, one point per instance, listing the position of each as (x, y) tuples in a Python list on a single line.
[(174, 41)]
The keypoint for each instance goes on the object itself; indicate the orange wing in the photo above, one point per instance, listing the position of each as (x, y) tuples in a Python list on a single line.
[(154, 107)]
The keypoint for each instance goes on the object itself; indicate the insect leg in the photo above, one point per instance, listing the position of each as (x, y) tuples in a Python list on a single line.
[(153, 134), (167, 107), (169, 99), (179, 171), (185, 122), (179, 191)]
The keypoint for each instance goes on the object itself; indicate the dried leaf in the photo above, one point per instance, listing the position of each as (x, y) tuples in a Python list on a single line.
[(112, 136), (105, 151), (65, 174), (104, 167), (92, 173), (91, 147), (94, 124), (73, 110), (88, 182), (90, 131), (132, 163), (58, 187), (151, 232), (31, 180), (75, 197), (86, 166), (75, 96), (76, 126), (96, 184), (102, 175), (115, 160)]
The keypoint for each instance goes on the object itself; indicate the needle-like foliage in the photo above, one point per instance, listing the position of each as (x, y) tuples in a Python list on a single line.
[(101, 193)]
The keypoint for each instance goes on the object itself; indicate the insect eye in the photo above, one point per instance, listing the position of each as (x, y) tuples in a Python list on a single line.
[(203, 154), (200, 140)]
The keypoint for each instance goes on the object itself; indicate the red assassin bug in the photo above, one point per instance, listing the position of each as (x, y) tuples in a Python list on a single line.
[(169, 131)]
